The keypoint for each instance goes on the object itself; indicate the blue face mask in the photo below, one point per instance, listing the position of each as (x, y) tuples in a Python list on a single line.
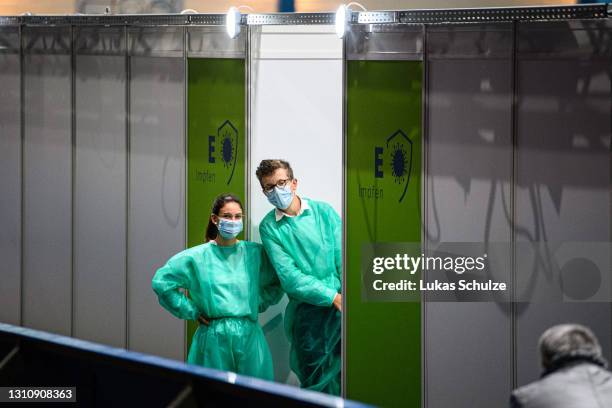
[(281, 197), (229, 229)]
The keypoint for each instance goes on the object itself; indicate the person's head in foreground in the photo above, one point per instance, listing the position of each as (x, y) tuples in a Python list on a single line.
[(277, 182), (574, 372), (565, 343)]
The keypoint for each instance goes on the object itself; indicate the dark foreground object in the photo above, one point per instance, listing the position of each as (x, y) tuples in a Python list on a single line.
[(107, 376)]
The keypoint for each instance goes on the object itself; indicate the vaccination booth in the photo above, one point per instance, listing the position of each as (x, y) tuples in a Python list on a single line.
[(422, 126)]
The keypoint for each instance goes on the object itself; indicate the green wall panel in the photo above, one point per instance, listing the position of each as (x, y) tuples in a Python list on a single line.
[(216, 136), (383, 339)]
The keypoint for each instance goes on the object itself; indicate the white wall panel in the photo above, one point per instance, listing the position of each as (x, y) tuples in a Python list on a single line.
[(296, 115)]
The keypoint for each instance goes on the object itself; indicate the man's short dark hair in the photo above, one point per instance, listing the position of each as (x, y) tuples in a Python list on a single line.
[(568, 341), (269, 166)]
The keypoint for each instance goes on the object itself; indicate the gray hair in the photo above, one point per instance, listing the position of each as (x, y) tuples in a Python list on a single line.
[(568, 341)]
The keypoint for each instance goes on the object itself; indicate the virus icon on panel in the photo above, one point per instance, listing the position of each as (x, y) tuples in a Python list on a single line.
[(227, 136), (399, 162), (400, 148), (227, 149)]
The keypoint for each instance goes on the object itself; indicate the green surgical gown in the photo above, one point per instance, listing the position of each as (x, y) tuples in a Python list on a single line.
[(306, 253), (230, 286)]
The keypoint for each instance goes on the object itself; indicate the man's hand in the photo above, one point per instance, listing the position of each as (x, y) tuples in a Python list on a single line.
[(338, 302), (203, 320)]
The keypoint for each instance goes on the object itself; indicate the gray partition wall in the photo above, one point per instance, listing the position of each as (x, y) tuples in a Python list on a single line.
[(100, 185), (519, 120), (564, 126), (517, 128), (47, 179), (156, 228), (10, 174), (93, 177), (467, 196), (100, 205)]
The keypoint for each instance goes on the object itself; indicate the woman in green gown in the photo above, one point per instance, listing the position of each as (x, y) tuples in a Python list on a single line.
[(229, 282)]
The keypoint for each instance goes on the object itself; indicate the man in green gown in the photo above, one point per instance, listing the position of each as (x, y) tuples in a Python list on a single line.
[(303, 240)]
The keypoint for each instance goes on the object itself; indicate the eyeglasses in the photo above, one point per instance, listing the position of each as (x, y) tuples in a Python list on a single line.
[(228, 216), (280, 183)]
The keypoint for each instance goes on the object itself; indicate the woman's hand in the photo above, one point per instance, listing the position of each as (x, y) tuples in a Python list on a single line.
[(338, 302), (203, 320)]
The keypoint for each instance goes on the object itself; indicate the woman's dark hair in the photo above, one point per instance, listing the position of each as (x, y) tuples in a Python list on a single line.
[(218, 204)]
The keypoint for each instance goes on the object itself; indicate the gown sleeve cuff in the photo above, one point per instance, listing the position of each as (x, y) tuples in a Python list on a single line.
[(331, 295)]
